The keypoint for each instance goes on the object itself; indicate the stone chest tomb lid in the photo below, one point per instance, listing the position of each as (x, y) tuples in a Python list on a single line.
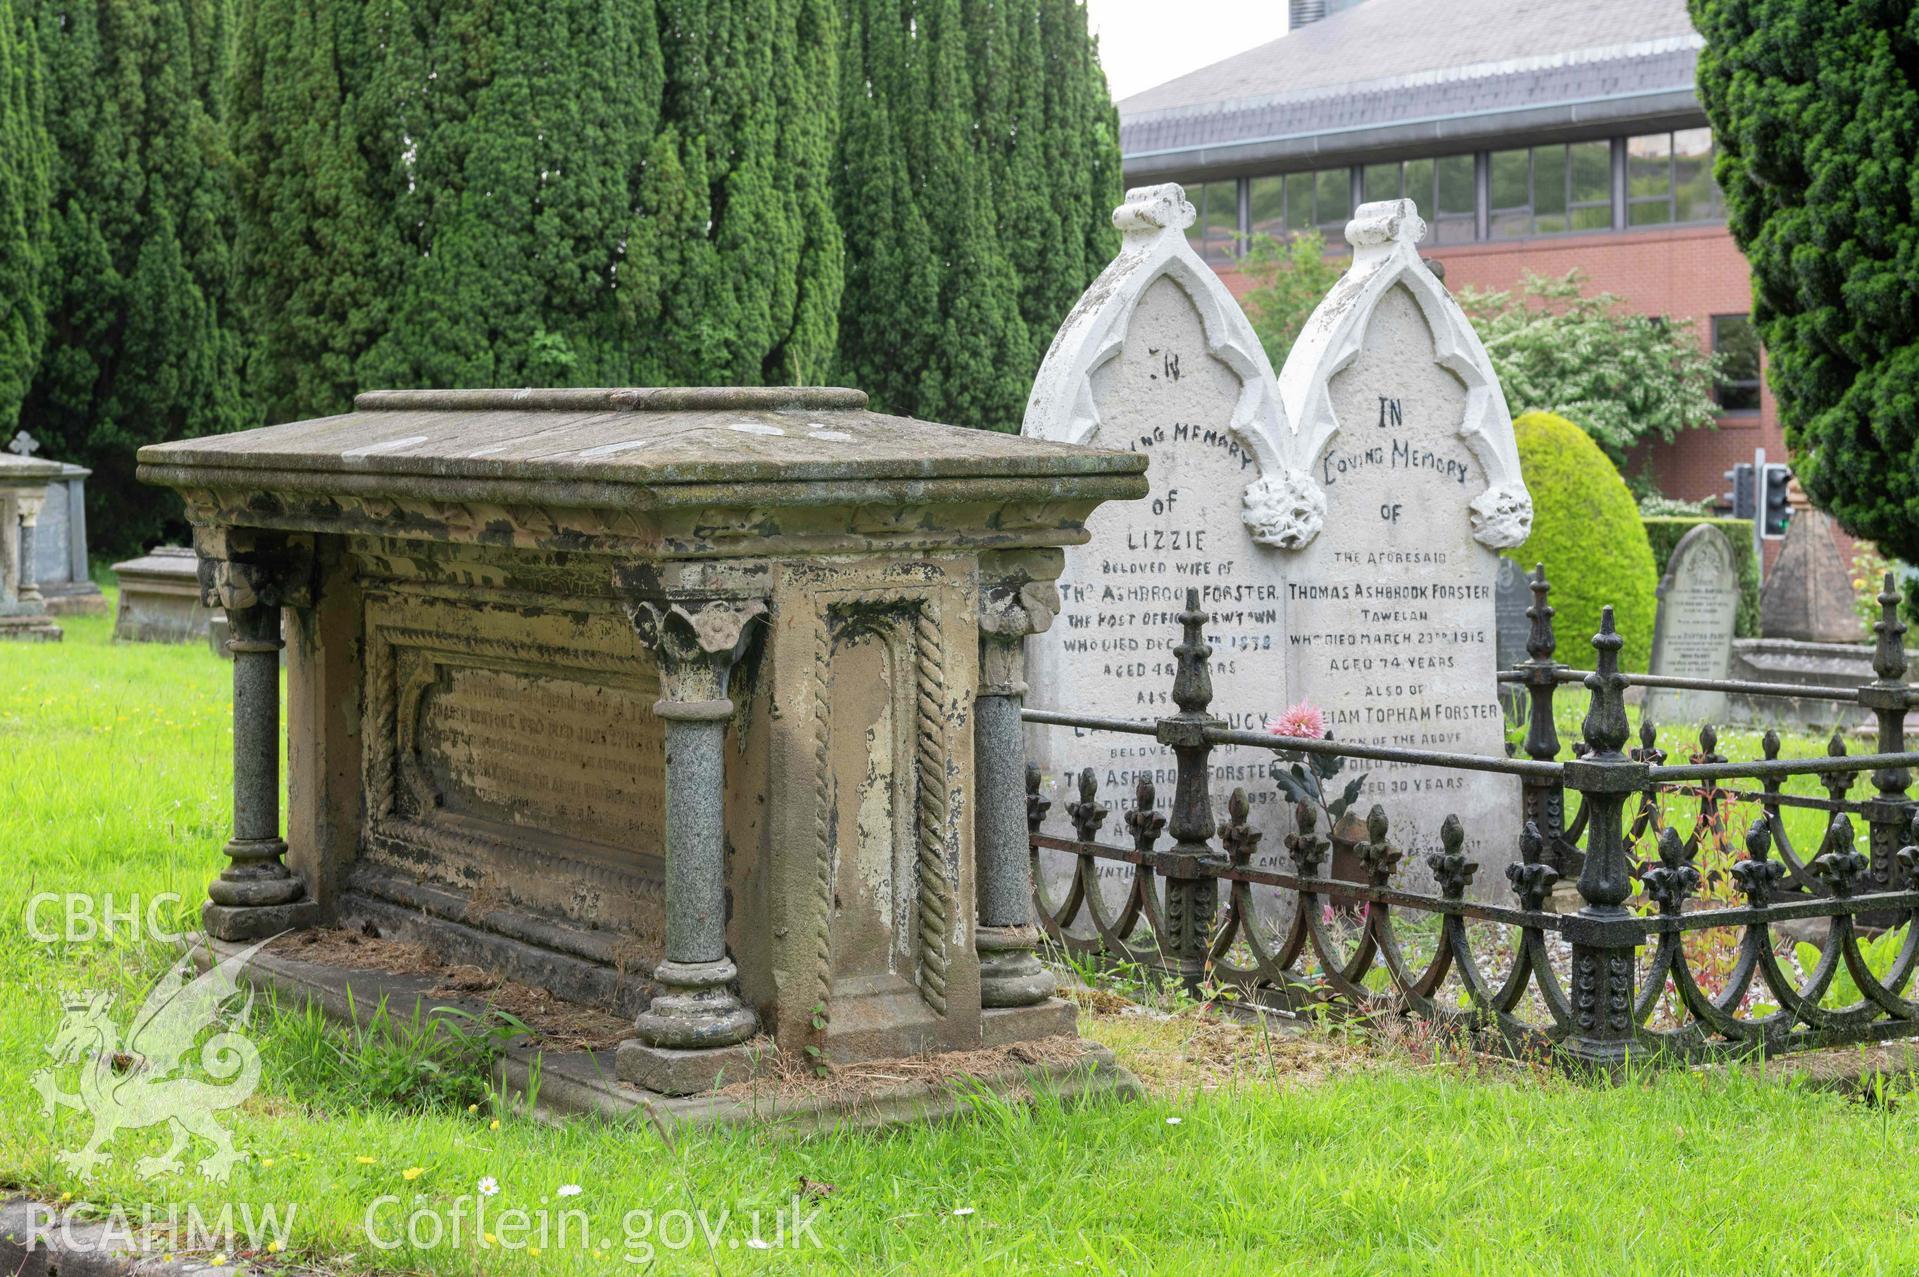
[(27, 473), (652, 438)]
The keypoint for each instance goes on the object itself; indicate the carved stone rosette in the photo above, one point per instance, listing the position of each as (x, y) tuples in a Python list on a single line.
[(252, 577), (697, 641)]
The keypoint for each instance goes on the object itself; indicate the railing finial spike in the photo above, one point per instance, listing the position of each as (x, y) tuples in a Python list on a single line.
[(1540, 640), (1889, 653), (1606, 726)]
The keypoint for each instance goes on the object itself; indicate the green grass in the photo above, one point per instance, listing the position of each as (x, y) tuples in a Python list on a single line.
[(113, 779)]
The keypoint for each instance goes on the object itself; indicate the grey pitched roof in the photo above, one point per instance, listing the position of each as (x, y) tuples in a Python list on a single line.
[(1399, 65)]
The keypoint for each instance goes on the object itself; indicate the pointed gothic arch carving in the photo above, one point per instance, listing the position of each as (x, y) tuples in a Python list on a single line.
[(1385, 238), (1283, 507)]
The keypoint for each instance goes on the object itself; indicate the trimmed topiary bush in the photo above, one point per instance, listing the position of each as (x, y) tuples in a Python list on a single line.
[(1587, 531), (1665, 531)]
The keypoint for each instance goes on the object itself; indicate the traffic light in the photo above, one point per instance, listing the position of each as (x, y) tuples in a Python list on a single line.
[(1739, 492), (1774, 510)]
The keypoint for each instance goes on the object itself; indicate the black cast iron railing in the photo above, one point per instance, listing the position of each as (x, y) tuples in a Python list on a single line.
[(1635, 959)]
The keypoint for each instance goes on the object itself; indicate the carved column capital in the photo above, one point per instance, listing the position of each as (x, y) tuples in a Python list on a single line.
[(1017, 597), (243, 568), (697, 639), (27, 504)]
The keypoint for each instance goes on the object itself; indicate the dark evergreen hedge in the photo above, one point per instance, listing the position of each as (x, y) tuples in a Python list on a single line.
[(1815, 110)]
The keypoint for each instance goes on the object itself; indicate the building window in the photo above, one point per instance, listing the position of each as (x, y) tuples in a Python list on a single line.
[(1562, 189), (1669, 179), (1551, 190), (1455, 201), (1215, 231), (1284, 206), (1736, 342)]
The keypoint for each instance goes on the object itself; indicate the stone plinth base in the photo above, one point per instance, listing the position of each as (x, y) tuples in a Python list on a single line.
[(257, 922), (1001, 1026), (572, 1083), (78, 598), (671, 1072), (31, 629)]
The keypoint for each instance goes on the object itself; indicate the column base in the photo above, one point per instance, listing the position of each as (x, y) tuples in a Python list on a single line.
[(31, 629), (257, 922), (1009, 973), (667, 1070), (695, 1009), (257, 876)]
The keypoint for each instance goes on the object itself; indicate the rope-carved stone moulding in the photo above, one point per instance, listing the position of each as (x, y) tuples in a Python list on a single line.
[(1593, 980), (698, 705)]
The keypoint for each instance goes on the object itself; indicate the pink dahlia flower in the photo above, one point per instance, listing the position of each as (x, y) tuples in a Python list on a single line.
[(1302, 720)]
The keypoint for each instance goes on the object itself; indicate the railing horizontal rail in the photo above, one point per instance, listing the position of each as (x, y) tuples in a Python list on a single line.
[(1758, 769), (1173, 864), (1302, 745), (1742, 687)]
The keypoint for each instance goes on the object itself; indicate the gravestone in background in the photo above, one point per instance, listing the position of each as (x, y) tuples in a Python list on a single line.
[(1391, 625), (1512, 595), (160, 598), (62, 569), (1157, 358), (1698, 605), (1347, 559), (1808, 594)]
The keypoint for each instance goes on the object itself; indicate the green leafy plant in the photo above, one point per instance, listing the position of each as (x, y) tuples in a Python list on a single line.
[(1587, 531), (1815, 118), (1290, 277), (1621, 376)]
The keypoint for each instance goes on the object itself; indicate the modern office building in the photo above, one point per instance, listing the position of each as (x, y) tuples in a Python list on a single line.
[(1536, 136)]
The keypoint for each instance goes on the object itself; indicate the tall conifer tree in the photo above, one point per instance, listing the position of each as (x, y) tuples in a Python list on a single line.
[(25, 152), (985, 132), (142, 339)]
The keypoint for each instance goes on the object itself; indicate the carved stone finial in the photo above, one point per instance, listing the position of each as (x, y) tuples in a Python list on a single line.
[(1151, 209), (1385, 222), (24, 445)]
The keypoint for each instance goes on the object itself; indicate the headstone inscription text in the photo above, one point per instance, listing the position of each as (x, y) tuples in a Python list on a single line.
[(538, 752), (1390, 623), (1159, 360), (1692, 638)]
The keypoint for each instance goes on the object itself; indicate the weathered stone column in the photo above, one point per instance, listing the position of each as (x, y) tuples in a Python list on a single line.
[(689, 1036), (1011, 608), (28, 590), (252, 578)]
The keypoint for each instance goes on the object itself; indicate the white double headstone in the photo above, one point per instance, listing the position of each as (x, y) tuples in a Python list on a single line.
[(1341, 522)]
